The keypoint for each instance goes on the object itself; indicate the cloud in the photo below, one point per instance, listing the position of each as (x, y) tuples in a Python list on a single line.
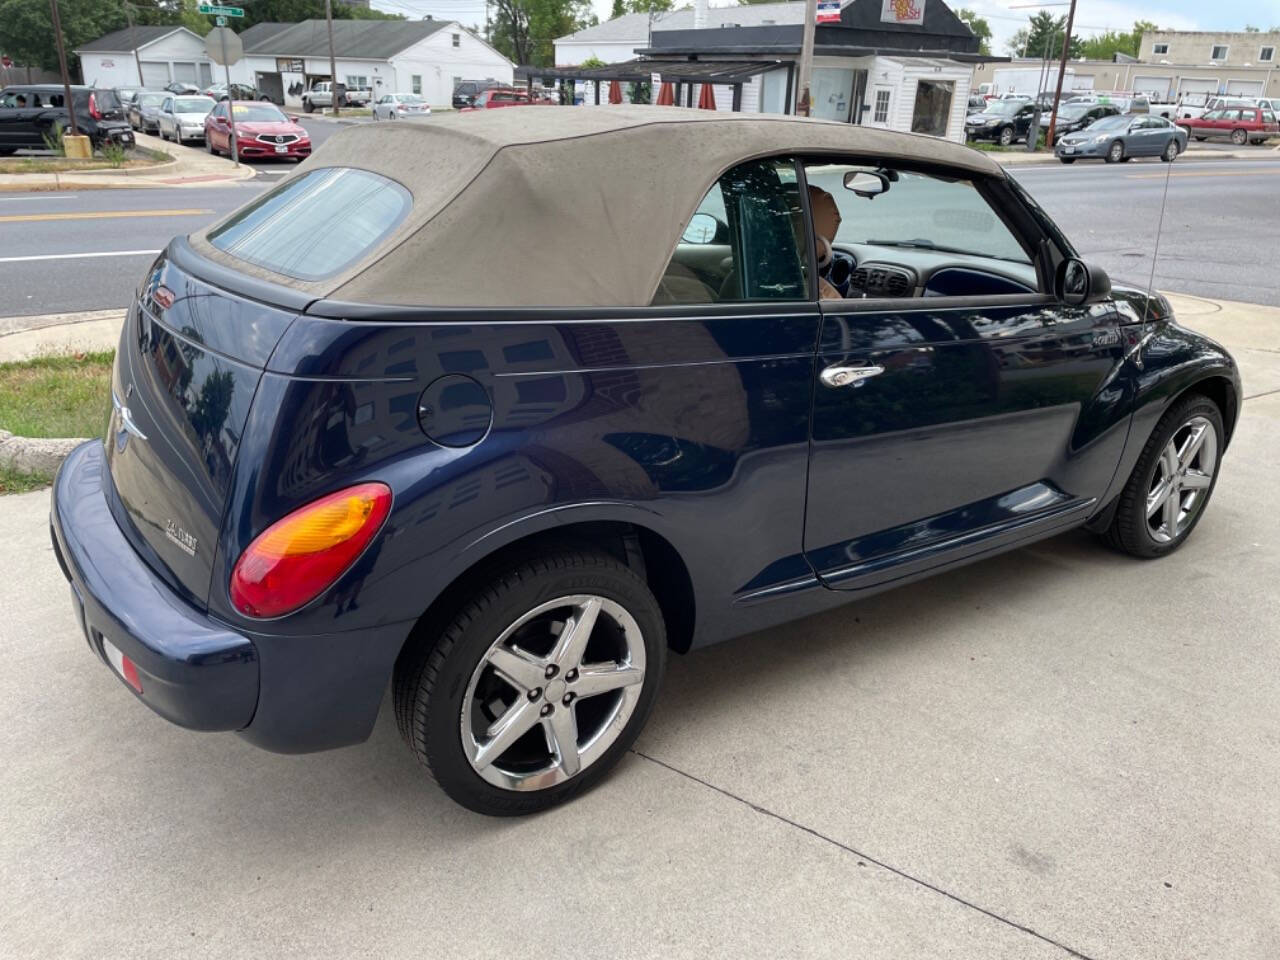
[(1092, 16)]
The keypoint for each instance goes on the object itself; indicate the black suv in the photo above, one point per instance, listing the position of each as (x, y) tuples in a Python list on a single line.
[(31, 112)]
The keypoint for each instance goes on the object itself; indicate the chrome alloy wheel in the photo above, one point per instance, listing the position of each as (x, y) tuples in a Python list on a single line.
[(1182, 478), (553, 692)]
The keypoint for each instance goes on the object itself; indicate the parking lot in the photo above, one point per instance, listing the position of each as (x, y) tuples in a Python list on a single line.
[(1060, 752)]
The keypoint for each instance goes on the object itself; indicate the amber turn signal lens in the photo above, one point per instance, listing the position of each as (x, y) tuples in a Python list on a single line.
[(301, 555)]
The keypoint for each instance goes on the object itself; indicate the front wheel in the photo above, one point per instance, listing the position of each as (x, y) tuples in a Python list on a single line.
[(1171, 484), (538, 683), (1115, 153), (1006, 137), (1239, 137), (1067, 159)]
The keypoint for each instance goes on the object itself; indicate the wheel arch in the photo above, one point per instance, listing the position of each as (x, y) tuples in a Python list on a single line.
[(1222, 391), (640, 546)]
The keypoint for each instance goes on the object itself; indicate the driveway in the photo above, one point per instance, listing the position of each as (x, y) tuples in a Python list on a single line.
[(1060, 752)]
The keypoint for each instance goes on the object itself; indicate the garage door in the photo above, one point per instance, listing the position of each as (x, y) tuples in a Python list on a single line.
[(1197, 85), (1157, 88), (1082, 83), (1244, 88), (155, 76)]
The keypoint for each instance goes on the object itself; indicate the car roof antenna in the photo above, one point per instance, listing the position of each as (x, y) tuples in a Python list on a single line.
[(1155, 252)]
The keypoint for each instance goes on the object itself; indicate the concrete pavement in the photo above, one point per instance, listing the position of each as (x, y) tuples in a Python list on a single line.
[(1059, 752)]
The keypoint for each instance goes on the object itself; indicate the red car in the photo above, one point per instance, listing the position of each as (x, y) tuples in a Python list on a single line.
[(262, 130), (1242, 124), (503, 97)]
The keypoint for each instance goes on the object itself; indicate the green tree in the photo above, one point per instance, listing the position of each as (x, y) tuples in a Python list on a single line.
[(981, 29), (621, 7), (1105, 45), (1043, 34), (525, 30), (27, 30)]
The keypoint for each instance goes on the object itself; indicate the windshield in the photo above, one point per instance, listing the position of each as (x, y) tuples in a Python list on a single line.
[(192, 105), (1110, 123), (1073, 111), (259, 113), (1005, 108), (151, 99)]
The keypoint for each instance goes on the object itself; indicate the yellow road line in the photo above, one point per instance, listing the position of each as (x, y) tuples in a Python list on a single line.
[(100, 215), (1269, 171)]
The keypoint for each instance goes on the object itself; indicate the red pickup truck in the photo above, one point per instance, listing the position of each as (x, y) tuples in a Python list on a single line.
[(504, 97), (1241, 124)]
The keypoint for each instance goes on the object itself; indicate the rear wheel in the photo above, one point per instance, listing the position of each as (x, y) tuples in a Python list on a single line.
[(537, 685), (1115, 153), (1201, 139), (1239, 137), (1171, 484), (1170, 152)]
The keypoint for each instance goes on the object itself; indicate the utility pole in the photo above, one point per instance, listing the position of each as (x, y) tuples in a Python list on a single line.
[(62, 64), (333, 66), (806, 56), (1062, 72), (133, 40)]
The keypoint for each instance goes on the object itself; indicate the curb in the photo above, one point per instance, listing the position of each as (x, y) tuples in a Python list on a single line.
[(35, 454)]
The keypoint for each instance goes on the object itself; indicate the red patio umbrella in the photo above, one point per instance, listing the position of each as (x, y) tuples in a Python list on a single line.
[(615, 91), (707, 97), (666, 96)]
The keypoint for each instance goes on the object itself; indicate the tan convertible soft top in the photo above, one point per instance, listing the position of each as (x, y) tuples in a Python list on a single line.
[(561, 206)]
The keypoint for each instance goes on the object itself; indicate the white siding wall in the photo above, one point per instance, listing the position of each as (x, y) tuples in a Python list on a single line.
[(120, 69), (909, 74), (109, 69), (438, 61), (570, 54)]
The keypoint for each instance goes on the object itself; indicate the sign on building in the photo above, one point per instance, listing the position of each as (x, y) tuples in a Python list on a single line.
[(288, 65), (903, 11), (828, 11)]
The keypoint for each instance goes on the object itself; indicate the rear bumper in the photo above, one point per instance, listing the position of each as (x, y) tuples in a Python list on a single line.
[(194, 671)]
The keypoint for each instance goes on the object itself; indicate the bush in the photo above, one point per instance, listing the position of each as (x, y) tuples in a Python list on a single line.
[(114, 154)]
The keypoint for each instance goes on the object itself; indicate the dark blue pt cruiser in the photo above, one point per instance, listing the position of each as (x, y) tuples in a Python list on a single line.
[(500, 409)]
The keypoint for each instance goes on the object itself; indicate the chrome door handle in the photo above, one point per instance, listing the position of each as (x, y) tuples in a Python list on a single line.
[(849, 376)]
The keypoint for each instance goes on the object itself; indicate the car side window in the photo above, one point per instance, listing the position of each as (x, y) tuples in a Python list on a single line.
[(900, 233), (744, 242)]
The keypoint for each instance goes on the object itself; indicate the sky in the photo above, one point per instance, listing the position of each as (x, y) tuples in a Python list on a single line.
[(1092, 16)]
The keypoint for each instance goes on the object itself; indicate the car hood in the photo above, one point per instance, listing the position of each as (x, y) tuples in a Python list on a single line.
[(191, 117), (984, 117), (258, 128)]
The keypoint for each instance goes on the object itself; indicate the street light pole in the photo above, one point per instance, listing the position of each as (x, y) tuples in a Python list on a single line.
[(62, 64), (133, 40), (1062, 72), (806, 56), (333, 64)]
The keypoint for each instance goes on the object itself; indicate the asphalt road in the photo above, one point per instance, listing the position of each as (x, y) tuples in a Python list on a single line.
[(1218, 238)]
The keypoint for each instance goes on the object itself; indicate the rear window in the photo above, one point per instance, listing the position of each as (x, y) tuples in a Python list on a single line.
[(313, 226)]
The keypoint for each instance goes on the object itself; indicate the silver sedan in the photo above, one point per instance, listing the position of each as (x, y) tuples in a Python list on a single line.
[(398, 106)]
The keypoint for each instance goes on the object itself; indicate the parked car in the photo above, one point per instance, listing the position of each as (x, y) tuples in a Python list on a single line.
[(182, 87), (495, 98), (976, 105), (1121, 137), (144, 111), (262, 131), (182, 118), (32, 113), (398, 106), (1240, 125), (341, 457), (1073, 117), (237, 91), (320, 96), (1191, 106), (1003, 121), (126, 94), (1124, 102), (466, 91)]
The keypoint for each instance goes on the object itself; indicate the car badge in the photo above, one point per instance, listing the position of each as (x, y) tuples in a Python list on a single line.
[(127, 426), (185, 541)]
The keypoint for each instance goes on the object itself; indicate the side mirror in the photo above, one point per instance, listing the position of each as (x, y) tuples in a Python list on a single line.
[(866, 184), (1079, 283), (703, 228)]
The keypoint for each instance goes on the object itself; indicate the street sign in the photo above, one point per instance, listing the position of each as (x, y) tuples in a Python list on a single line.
[(217, 8), (223, 46), (828, 11), (220, 21)]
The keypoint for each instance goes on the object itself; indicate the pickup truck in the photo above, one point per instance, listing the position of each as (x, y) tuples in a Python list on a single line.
[(320, 96), (1194, 105)]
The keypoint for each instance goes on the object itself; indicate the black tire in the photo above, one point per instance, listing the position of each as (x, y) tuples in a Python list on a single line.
[(432, 676), (1067, 159), (1129, 531), (1239, 137), (1115, 152), (208, 145), (1005, 137), (308, 107), (1171, 151), (1201, 139)]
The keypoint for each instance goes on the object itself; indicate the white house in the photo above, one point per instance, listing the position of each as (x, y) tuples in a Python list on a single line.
[(285, 59), (166, 54)]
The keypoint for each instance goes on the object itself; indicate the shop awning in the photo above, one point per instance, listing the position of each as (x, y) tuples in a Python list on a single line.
[(674, 71)]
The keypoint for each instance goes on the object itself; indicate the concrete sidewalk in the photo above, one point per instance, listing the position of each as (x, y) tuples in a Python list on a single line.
[(190, 166), (1057, 753)]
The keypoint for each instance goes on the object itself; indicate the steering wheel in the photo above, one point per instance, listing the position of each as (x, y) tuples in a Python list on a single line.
[(839, 271)]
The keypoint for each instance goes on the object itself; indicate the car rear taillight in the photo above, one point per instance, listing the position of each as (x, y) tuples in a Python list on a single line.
[(93, 107), (122, 665), (298, 557)]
